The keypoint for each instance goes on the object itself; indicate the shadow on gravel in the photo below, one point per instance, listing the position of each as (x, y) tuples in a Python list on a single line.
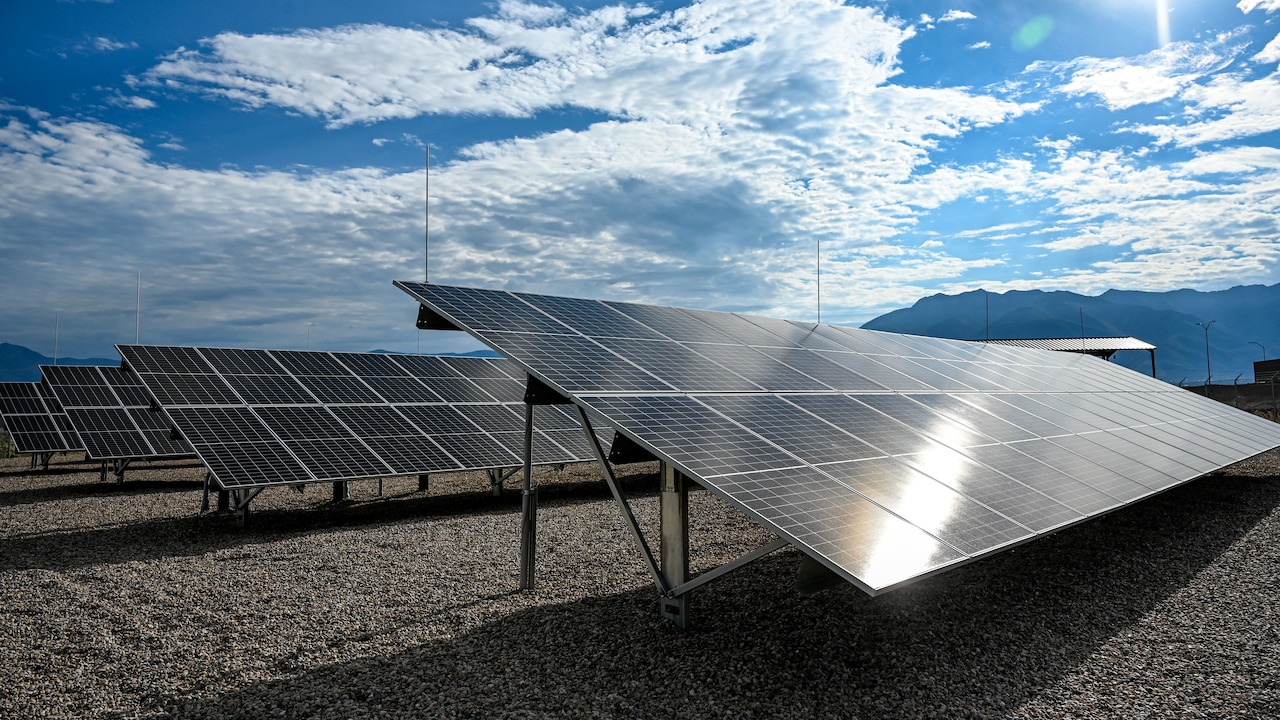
[(976, 642), (199, 534)]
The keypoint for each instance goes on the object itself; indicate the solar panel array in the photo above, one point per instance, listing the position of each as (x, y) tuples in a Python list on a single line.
[(110, 411), (258, 418), (885, 457), (35, 419)]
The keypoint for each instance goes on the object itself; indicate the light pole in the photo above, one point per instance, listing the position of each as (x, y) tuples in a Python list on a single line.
[(1264, 349), (1207, 365)]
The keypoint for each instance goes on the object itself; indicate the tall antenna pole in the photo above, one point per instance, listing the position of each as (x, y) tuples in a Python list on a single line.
[(819, 281), (426, 224), (987, 297), (55, 338), (137, 317)]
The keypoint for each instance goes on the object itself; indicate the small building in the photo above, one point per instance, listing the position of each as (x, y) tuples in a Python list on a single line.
[(1103, 347), (1265, 371)]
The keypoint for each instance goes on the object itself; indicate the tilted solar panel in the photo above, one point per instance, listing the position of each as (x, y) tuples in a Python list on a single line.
[(109, 410), (258, 418), (35, 420), (884, 457)]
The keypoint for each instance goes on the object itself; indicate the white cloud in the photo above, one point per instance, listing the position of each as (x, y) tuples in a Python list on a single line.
[(1248, 6), (980, 45), (957, 15), (1270, 53), (109, 45)]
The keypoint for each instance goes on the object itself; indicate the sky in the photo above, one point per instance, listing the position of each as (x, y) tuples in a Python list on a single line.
[(252, 174)]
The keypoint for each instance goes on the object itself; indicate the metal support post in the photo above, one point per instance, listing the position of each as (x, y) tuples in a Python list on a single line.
[(341, 491), (224, 500), (102, 472), (45, 458), (674, 547), (204, 501), (379, 487), (528, 507), (424, 482), (495, 482)]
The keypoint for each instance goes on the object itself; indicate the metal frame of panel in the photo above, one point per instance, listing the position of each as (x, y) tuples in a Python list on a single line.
[(36, 422), (263, 418), (925, 455), (110, 411)]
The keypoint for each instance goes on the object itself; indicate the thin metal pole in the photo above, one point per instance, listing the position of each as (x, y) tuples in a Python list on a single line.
[(55, 338), (137, 316), (819, 281), (987, 297), (1207, 365), (426, 223), (1264, 349), (528, 508)]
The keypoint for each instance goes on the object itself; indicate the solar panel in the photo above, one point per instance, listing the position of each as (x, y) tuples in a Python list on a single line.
[(35, 420), (110, 411), (884, 457), (258, 418)]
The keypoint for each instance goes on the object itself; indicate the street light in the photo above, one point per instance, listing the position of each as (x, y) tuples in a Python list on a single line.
[(1264, 349), (1207, 366)]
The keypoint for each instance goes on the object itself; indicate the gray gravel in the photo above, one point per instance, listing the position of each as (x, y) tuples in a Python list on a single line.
[(126, 602)]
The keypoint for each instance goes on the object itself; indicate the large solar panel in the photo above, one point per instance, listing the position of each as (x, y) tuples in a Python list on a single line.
[(884, 457), (110, 411), (35, 420), (259, 418)]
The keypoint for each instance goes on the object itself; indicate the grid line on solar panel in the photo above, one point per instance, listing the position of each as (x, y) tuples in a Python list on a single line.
[(370, 364), (186, 389), (834, 376), (922, 370), (164, 360), (474, 368), (1080, 497), (307, 363), (456, 390), (998, 491), (1117, 462), (591, 317), (786, 425), (250, 464), (307, 422), (672, 323), (338, 389), (866, 543), (740, 329), (269, 389), (862, 421), (972, 416), (487, 310), (926, 421), (692, 435), (545, 450), (882, 375), (1087, 471), (426, 366), (494, 418), (477, 450), (368, 421), (438, 419), (764, 371), (678, 366), (338, 459), (401, 389), (502, 389), (231, 361), (928, 504), (577, 364), (416, 454)]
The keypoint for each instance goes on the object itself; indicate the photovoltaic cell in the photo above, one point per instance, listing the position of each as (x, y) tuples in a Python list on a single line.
[(36, 423), (110, 412), (302, 416), (885, 457)]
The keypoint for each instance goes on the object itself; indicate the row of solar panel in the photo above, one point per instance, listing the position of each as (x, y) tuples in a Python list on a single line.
[(592, 347), (268, 417), (35, 419), (883, 457)]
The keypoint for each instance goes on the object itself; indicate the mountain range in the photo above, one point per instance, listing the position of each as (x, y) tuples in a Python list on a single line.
[(1237, 318), (1167, 320)]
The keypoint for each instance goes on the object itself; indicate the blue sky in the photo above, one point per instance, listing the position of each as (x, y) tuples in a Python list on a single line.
[(260, 165)]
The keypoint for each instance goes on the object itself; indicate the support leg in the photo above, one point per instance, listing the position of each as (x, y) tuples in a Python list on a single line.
[(224, 500), (424, 482), (341, 491), (674, 549), (204, 501), (528, 507)]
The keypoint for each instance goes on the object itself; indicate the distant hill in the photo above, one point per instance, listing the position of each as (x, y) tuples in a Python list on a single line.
[(20, 364), (1166, 320)]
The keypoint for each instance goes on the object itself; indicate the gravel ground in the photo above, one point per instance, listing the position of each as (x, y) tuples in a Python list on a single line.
[(124, 602)]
